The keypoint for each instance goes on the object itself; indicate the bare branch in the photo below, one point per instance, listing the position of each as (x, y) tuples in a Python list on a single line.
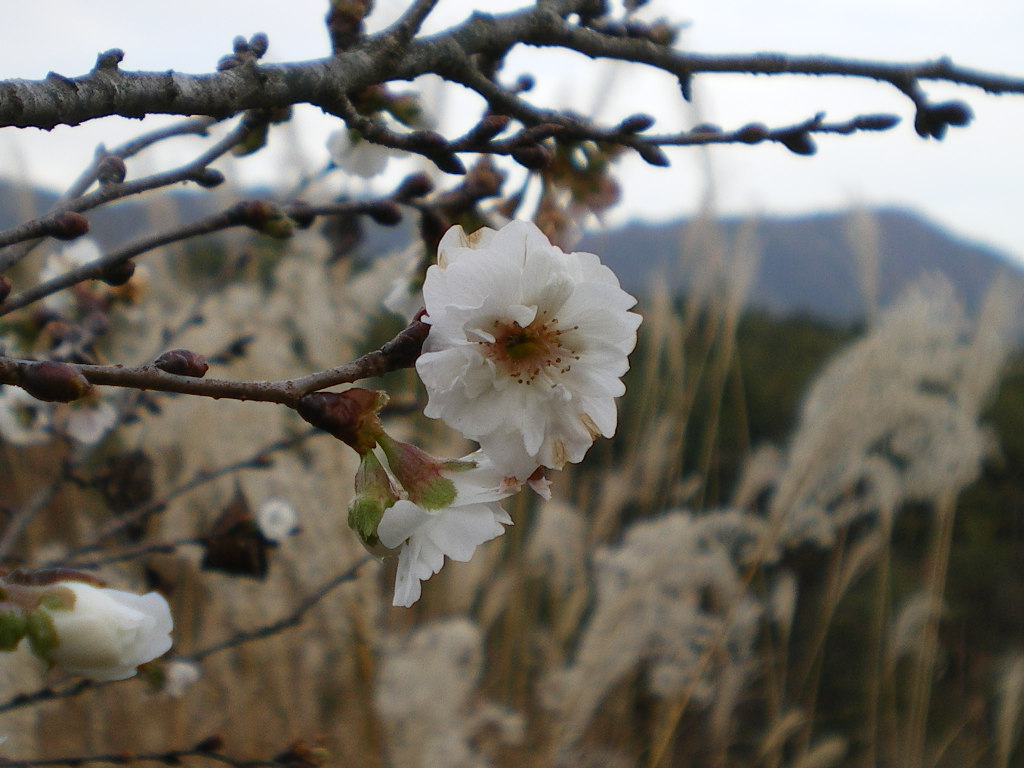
[(400, 352), (108, 90)]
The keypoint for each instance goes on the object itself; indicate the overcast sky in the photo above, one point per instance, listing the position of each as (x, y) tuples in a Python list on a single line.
[(972, 182)]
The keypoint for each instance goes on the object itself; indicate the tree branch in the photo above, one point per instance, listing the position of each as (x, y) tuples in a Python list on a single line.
[(108, 90), (400, 352)]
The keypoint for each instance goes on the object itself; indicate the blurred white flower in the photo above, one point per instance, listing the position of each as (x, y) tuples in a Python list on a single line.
[(405, 296), (23, 419), (89, 419), (108, 633), (80, 252), (277, 519), (526, 347), (426, 536), (356, 155), (179, 676)]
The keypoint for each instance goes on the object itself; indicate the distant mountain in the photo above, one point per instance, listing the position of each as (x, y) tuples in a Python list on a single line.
[(807, 264)]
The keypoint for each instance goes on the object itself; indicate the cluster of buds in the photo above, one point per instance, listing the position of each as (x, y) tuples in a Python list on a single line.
[(407, 502)]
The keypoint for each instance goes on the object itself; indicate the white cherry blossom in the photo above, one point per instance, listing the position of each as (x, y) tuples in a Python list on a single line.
[(526, 347), (427, 536)]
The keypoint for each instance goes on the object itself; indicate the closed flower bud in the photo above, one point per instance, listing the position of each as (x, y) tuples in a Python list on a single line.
[(111, 170), (449, 163), (208, 178), (752, 133), (880, 122), (105, 634), (636, 124), (797, 142), (491, 126), (54, 382), (67, 225), (118, 274), (259, 44), (535, 157), (183, 362), (414, 186), (653, 155), (374, 494), (953, 112), (386, 213)]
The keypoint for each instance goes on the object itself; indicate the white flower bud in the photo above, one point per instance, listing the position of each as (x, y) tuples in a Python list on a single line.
[(107, 633)]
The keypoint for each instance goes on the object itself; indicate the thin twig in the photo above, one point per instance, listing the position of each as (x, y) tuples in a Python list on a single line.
[(291, 620)]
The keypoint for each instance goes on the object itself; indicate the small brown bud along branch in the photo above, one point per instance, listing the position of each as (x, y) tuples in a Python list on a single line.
[(262, 216), (397, 54), (400, 352), (76, 201)]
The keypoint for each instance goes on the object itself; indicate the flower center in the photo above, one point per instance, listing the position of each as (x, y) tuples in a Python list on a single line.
[(525, 353)]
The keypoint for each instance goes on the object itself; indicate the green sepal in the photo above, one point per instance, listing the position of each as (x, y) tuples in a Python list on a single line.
[(42, 635), (13, 626), (419, 473), (374, 494)]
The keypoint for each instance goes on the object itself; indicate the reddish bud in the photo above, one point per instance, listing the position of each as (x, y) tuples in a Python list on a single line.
[(429, 140), (535, 156), (953, 113), (118, 274), (652, 155), (752, 133), (54, 382), (351, 416), (449, 163), (208, 178), (182, 362), (259, 44), (636, 124), (414, 186), (386, 213), (5, 288), (301, 214), (875, 122), (797, 142), (67, 226), (491, 126), (111, 170)]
